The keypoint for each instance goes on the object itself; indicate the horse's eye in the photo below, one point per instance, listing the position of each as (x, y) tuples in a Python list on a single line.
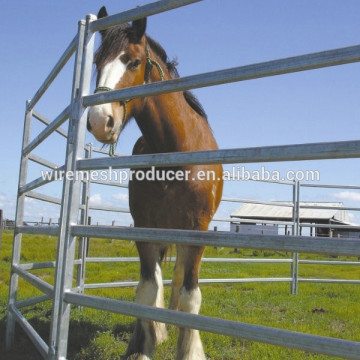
[(124, 58), (135, 64)]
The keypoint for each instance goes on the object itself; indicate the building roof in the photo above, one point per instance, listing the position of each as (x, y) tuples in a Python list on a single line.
[(284, 213)]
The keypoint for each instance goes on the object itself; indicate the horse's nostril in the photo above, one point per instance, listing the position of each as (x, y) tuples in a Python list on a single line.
[(110, 122)]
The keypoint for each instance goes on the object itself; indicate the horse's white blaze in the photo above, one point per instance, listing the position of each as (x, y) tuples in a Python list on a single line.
[(99, 115), (112, 73)]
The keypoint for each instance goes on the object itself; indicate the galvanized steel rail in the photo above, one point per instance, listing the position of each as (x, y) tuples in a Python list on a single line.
[(305, 244), (255, 71), (54, 72), (311, 151)]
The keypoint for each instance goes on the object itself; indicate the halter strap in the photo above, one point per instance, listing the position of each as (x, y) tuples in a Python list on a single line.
[(150, 63), (102, 88)]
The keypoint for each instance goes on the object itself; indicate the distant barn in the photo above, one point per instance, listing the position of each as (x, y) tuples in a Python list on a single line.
[(264, 219)]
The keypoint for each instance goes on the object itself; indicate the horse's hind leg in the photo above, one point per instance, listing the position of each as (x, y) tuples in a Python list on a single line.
[(189, 300), (149, 292)]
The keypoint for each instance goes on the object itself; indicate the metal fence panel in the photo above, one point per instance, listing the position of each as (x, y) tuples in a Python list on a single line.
[(62, 292)]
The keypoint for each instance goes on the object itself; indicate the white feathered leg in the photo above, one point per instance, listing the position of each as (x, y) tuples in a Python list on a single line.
[(189, 342), (148, 333)]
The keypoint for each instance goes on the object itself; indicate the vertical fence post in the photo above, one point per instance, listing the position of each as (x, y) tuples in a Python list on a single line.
[(88, 239), (295, 231), (237, 229), (19, 219), (71, 192), (112, 224), (83, 241)]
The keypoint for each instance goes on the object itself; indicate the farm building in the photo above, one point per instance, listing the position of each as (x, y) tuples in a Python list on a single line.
[(264, 219)]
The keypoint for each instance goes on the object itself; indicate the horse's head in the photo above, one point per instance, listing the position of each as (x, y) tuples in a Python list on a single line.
[(120, 62)]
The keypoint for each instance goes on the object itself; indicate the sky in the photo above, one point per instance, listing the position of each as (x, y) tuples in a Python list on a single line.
[(313, 106)]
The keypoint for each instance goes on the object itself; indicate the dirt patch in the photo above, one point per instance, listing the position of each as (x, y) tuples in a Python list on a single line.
[(318, 311)]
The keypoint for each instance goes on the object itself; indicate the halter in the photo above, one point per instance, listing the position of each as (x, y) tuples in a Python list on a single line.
[(150, 63)]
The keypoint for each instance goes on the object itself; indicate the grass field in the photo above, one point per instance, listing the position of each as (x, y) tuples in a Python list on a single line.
[(322, 309)]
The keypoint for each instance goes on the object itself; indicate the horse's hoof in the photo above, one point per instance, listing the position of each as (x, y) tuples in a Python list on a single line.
[(135, 357), (142, 357)]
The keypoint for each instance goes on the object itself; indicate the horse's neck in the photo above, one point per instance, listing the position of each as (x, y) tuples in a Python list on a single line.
[(169, 124)]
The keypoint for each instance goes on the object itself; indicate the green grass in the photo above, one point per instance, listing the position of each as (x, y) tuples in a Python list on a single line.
[(322, 309)]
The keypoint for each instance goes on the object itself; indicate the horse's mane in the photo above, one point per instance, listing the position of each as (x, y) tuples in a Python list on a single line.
[(116, 38), (171, 67)]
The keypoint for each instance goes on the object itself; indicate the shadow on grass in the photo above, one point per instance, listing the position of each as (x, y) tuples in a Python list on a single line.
[(81, 334)]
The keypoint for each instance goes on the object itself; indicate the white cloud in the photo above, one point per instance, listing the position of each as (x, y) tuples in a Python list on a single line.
[(8, 206), (2, 200), (95, 199), (124, 198), (348, 195)]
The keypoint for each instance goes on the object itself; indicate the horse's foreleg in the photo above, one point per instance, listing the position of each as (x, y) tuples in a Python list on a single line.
[(149, 292), (178, 278), (189, 343)]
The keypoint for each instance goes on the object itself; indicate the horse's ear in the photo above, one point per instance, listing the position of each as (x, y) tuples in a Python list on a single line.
[(138, 28), (101, 14)]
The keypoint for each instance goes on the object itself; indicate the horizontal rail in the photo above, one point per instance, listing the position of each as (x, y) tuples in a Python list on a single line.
[(41, 161), (32, 301), (229, 260), (110, 183), (256, 179), (42, 197), (252, 221), (328, 262), (43, 265), (45, 121), (138, 13), (330, 281), (54, 72), (248, 72), (35, 266), (109, 208), (330, 226), (34, 280), (307, 244), (329, 207), (307, 342), (310, 151), (40, 181), (260, 221), (330, 186), (35, 338), (38, 230), (248, 201), (201, 281), (122, 284), (48, 130), (172, 259)]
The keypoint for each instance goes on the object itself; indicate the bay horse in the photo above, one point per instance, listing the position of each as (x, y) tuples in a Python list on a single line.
[(174, 122)]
